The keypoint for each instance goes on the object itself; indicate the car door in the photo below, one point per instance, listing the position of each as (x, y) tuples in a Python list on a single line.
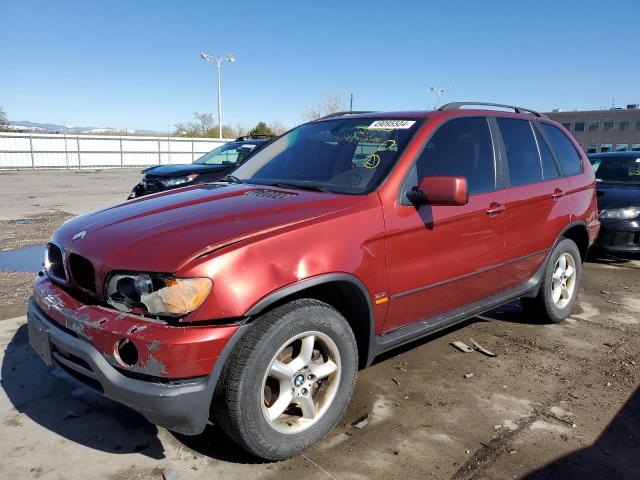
[(443, 257), (538, 206)]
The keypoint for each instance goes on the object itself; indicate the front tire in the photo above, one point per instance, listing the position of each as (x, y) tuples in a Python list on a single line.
[(560, 284), (288, 380)]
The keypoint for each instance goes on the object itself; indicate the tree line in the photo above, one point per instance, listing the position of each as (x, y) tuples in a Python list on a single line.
[(4, 123), (203, 125)]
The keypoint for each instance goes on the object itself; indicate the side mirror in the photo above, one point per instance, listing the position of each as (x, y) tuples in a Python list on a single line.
[(440, 191)]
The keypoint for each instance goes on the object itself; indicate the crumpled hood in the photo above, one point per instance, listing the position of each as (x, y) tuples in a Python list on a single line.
[(160, 232), (179, 170)]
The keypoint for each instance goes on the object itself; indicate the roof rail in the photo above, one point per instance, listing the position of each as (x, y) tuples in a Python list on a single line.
[(458, 105)]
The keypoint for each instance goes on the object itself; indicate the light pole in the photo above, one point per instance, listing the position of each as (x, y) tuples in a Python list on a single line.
[(438, 92), (218, 60)]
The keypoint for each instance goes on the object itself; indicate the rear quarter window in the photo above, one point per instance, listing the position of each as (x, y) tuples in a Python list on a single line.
[(565, 151)]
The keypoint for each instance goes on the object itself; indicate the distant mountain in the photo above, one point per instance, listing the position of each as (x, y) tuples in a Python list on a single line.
[(45, 127), (27, 126)]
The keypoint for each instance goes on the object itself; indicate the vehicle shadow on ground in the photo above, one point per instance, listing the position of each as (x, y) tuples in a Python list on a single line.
[(60, 404), (214, 443), (622, 259), (513, 312), (614, 454)]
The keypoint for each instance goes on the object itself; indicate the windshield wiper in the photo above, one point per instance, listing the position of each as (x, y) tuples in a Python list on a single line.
[(231, 179), (300, 186)]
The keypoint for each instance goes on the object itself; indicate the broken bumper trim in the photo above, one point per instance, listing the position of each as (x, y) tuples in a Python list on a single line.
[(182, 407)]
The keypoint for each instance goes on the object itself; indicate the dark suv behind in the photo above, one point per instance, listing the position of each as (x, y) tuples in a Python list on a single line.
[(618, 190), (253, 303), (210, 167)]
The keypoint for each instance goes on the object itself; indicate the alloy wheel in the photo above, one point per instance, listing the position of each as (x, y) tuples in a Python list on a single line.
[(563, 280), (301, 382)]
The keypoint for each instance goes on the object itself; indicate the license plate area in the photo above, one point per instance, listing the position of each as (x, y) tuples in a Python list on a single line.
[(39, 339)]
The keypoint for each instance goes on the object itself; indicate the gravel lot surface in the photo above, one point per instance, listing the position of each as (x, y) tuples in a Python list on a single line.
[(558, 401)]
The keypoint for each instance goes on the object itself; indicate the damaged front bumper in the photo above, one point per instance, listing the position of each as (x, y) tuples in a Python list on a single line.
[(173, 379)]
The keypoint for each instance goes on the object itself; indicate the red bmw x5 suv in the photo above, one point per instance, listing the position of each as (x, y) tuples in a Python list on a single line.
[(253, 302)]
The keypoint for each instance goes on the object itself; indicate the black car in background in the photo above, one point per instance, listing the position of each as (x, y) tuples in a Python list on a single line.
[(210, 167), (618, 190)]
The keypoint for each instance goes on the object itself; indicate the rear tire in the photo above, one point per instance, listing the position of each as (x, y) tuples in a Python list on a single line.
[(559, 286), (288, 381)]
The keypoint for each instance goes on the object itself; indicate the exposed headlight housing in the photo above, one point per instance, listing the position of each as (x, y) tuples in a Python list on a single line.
[(156, 295), (628, 213), (175, 181)]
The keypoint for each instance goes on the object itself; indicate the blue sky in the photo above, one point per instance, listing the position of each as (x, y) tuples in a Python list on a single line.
[(136, 64)]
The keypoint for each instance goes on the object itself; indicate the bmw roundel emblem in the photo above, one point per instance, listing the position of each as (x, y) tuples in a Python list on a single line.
[(79, 235)]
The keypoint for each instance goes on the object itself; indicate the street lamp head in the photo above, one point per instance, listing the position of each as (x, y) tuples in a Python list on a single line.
[(210, 58)]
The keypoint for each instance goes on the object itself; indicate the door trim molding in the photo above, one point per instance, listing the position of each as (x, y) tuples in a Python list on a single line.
[(466, 275)]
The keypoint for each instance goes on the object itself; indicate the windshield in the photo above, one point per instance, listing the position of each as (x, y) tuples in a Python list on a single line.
[(617, 170), (341, 155), (227, 154)]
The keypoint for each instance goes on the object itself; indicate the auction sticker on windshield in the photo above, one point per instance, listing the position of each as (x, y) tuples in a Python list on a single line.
[(391, 124)]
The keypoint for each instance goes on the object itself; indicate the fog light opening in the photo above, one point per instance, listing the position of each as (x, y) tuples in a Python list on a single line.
[(127, 352)]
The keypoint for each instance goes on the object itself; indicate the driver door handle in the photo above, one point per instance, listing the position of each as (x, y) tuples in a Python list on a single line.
[(557, 193), (495, 209)]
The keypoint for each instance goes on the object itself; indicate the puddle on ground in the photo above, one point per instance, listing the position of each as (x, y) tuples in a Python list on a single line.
[(28, 259)]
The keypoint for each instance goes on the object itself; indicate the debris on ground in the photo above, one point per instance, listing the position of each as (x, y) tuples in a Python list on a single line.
[(318, 467), (169, 474), (463, 347), (481, 349), (401, 367), (560, 419), (395, 381), (361, 422), (468, 375), (617, 303)]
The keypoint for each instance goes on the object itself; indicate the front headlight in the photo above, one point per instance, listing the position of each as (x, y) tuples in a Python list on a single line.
[(157, 294), (175, 181), (628, 213)]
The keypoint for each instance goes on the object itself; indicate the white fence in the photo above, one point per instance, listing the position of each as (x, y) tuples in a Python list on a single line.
[(23, 150)]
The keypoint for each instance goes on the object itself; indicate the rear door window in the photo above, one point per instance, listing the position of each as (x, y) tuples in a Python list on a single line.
[(522, 152), (462, 147), (565, 151)]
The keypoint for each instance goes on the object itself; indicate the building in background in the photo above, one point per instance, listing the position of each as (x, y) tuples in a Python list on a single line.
[(615, 130)]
